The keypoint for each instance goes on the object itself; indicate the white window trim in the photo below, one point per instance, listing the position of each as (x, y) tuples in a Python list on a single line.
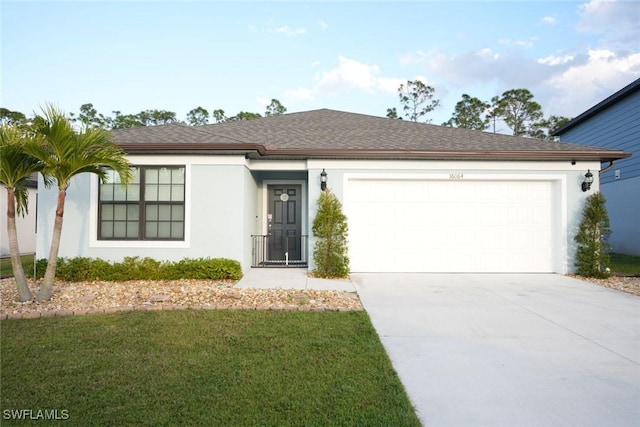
[(161, 244)]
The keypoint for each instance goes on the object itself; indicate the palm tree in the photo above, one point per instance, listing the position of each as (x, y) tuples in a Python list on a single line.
[(16, 166), (66, 153)]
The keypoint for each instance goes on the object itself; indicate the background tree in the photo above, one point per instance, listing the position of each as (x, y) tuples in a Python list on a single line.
[(470, 113), (65, 154), (16, 167), (330, 228), (275, 108), (417, 100), (518, 110), (198, 116), (392, 113), (592, 256), (244, 115), (157, 117), (8, 117), (543, 129), (89, 116), (219, 115), (124, 121)]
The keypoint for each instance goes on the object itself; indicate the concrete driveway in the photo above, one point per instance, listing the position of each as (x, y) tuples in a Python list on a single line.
[(509, 350)]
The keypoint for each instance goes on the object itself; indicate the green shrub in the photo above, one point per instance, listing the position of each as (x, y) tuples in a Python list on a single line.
[(592, 256), (330, 227), (135, 268)]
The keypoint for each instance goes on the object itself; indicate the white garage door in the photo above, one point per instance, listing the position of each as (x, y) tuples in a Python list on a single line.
[(450, 226)]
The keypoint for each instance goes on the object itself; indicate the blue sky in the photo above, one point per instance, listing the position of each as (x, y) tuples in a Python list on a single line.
[(351, 56)]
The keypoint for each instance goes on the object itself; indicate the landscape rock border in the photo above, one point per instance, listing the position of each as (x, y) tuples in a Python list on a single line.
[(81, 298)]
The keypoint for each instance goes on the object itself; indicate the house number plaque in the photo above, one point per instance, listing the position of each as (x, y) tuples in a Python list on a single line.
[(456, 175)]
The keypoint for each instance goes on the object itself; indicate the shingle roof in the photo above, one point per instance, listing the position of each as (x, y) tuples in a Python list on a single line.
[(330, 133)]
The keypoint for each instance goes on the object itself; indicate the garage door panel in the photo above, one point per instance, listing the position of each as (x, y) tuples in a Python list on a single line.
[(450, 226)]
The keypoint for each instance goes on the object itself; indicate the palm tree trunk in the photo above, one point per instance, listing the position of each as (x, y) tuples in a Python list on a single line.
[(46, 289), (24, 294)]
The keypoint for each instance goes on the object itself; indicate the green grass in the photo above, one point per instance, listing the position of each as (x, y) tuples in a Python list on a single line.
[(186, 367), (7, 270), (625, 264)]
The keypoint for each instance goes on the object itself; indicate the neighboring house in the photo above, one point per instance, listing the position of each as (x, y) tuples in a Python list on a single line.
[(615, 124), (418, 197), (26, 226)]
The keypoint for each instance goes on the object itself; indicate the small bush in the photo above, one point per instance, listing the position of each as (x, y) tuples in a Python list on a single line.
[(135, 268), (330, 227), (592, 256)]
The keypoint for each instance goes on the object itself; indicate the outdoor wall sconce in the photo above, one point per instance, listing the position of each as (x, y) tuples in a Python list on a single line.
[(323, 180), (588, 180)]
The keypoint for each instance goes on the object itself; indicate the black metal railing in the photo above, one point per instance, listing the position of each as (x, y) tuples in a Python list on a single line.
[(278, 250)]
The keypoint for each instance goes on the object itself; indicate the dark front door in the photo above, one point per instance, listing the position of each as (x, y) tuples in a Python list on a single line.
[(283, 223)]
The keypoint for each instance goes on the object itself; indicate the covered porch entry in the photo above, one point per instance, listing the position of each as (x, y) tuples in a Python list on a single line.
[(281, 240)]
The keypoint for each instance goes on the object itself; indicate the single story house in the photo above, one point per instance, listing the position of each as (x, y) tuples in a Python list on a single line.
[(418, 197), (614, 123)]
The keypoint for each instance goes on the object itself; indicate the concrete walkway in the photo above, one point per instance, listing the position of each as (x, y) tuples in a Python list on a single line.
[(509, 350), (291, 278)]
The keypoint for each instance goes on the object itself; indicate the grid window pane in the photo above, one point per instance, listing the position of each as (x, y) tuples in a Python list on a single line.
[(120, 229), (106, 230), (177, 230), (151, 192), (164, 213), (177, 176), (164, 176), (152, 213), (164, 193), (151, 176), (133, 192), (177, 193), (119, 193), (107, 212), (164, 230), (155, 190), (106, 192), (177, 213), (132, 229), (151, 230)]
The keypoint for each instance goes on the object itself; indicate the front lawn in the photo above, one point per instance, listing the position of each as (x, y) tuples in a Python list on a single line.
[(186, 367), (627, 265)]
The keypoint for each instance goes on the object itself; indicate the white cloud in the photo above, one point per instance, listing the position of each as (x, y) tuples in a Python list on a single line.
[(389, 84), (556, 60), (580, 87), (349, 74), (550, 20), (618, 21), (323, 24), (289, 31), (314, 64), (521, 43), (509, 70)]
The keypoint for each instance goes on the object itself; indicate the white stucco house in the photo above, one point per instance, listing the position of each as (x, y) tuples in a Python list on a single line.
[(418, 197)]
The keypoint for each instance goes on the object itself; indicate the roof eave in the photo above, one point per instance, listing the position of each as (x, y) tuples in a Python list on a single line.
[(259, 151)]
